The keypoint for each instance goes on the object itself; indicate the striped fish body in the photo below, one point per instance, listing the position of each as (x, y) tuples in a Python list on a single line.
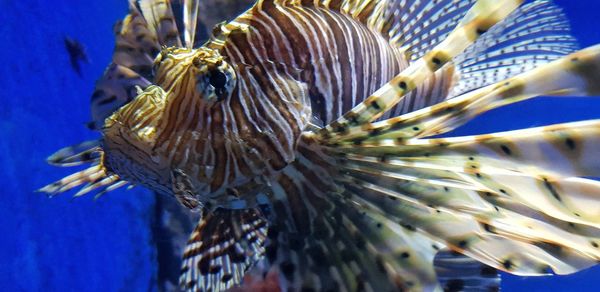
[(340, 59)]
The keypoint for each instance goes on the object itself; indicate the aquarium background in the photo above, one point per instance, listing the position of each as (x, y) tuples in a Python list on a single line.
[(65, 244)]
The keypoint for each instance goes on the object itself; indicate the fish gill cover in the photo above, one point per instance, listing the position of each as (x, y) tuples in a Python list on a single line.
[(108, 244)]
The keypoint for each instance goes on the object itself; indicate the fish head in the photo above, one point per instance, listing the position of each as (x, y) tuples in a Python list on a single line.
[(163, 132), (181, 129)]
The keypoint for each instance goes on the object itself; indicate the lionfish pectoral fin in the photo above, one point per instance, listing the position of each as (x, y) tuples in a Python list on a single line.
[(501, 53), (321, 239), (94, 178), (480, 71), (224, 245), (457, 272), (518, 201), (515, 201)]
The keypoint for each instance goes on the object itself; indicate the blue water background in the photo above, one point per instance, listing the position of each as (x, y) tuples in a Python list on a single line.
[(62, 244)]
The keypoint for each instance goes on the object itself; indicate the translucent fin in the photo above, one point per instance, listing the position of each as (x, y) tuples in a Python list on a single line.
[(190, 20), (103, 185), (519, 248), (161, 21), (86, 152), (535, 34), (89, 175), (224, 245), (517, 201), (457, 272)]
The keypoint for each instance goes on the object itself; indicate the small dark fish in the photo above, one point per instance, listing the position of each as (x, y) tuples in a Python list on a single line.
[(77, 54)]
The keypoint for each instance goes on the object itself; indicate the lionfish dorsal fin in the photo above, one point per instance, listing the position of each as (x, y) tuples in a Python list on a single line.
[(161, 20), (190, 20)]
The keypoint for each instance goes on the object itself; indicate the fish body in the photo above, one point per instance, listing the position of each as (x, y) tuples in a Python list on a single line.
[(301, 131), (77, 54), (301, 77)]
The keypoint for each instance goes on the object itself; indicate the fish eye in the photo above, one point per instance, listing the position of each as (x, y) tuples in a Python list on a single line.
[(217, 79)]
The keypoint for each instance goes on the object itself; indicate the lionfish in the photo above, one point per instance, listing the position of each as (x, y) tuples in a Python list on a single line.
[(307, 134)]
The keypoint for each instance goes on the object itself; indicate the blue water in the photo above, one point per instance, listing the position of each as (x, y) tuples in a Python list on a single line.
[(62, 244)]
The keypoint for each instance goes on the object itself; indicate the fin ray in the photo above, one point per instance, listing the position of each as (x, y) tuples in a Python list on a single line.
[(224, 245)]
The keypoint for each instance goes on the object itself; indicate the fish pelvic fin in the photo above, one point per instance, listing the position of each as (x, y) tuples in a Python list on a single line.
[(222, 248)]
